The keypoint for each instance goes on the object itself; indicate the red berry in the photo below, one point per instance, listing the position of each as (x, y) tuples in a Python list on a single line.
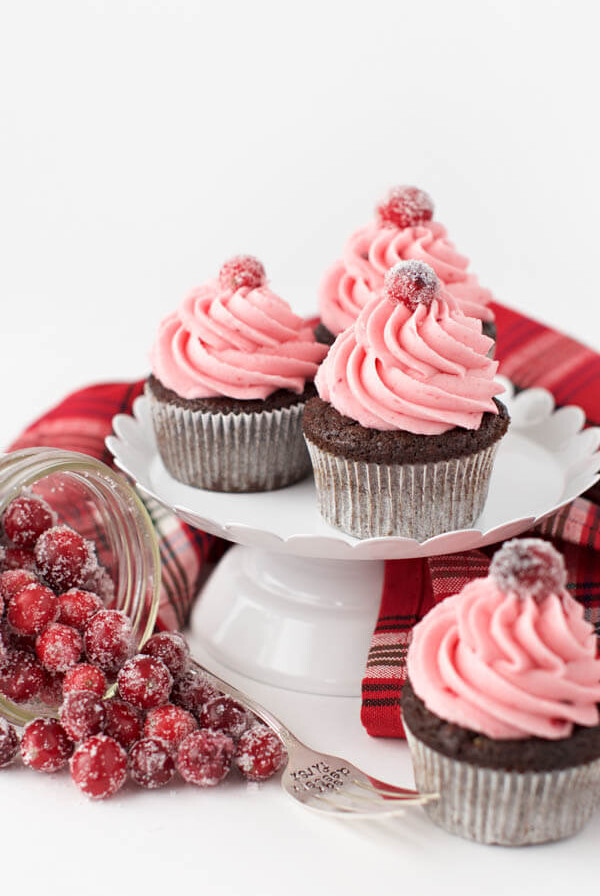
[(192, 691), (9, 743), (204, 757), (529, 566), (19, 558), (26, 518), (82, 714), (224, 714), (14, 580), (405, 207), (108, 640), (145, 682), (99, 767), (242, 270), (85, 677), (170, 724), (259, 753), (45, 745), (51, 691), (21, 677), (151, 764), (123, 722), (64, 558), (100, 583), (172, 649), (412, 283), (77, 607), (32, 609), (59, 647)]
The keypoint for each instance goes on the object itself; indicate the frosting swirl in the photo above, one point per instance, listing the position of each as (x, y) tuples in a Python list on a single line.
[(243, 344), (424, 372), (506, 666), (351, 282)]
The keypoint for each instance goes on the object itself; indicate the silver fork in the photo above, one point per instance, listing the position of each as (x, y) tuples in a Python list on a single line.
[(321, 781)]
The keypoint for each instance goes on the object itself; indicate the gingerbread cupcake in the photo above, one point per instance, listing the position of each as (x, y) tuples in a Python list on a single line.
[(231, 371), (405, 429), (501, 705), (403, 229)]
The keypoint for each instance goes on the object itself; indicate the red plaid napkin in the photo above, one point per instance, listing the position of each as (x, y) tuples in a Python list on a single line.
[(530, 354)]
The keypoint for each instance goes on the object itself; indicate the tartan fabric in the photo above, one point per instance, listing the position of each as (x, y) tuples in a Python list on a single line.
[(81, 422), (530, 354)]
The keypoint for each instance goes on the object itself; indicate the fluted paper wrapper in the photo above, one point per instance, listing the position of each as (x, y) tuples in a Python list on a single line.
[(508, 808), (409, 500), (247, 452)]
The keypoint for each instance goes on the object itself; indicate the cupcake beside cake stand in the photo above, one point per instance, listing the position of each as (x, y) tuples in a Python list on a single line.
[(293, 603)]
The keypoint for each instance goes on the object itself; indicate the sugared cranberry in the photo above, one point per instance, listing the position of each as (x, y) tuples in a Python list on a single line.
[(242, 270), (64, 558), (529, 566), (224, 714), (145, 682), (14, 580), (59, 647), (82, 714), (192, 691), (100, 583), (204, 757), (51, 691), (85, 677), (19, 558), (108, 640), (26, 518), (123, 722), (259, 753), (77, 607), (21, 677), (45, 745), (172, 649), (150, 763), (170, 724), (99, 767), (411, 283), (9, 743), (405, 207), (32, 609)]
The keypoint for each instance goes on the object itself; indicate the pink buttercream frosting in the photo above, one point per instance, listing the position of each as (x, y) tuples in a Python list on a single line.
[(351, 282), (507, 666), (243, 344), (424, 372)]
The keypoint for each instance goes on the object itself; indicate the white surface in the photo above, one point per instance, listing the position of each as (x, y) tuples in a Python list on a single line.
[(543, 462), (141, 143)]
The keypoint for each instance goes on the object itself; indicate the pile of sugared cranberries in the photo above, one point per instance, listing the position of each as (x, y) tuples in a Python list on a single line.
[(61, 646)]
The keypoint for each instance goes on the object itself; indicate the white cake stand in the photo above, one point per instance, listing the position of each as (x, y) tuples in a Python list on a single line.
[(294, 603)]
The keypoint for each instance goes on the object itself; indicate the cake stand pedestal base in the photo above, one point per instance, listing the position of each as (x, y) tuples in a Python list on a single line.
[(299, 623)]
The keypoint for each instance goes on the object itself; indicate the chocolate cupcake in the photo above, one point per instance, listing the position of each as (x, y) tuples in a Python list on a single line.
[(501, 706), (403, 229), (232, 369), (404, 433)]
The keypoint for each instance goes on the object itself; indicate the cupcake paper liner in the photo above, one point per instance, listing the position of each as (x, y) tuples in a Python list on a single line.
[(508, 808), (411, 500), (246, 452)]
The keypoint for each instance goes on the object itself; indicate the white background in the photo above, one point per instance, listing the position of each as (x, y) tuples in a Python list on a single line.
[(142, 143)]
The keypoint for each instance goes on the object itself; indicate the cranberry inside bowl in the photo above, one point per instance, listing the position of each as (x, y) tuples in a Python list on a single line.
[(75, 542)]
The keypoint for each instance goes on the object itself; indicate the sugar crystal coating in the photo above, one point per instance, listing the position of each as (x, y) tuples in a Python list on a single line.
[(45, 745), (145, 682), (412, 283), (32, 608), (82, 714), (64, 558), (99, 767), (529, 566), (59, 647), (85, 677), (259, 753), (26, 518), (204, 757), (21, 677), (19, 558), (192, 691), (151, 763), (108, 640), (172, 649), (405, 206), (14, 580), (242, 270), (9, 743), (225, 714), (170, 724), (124, 723), (77, 606)]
